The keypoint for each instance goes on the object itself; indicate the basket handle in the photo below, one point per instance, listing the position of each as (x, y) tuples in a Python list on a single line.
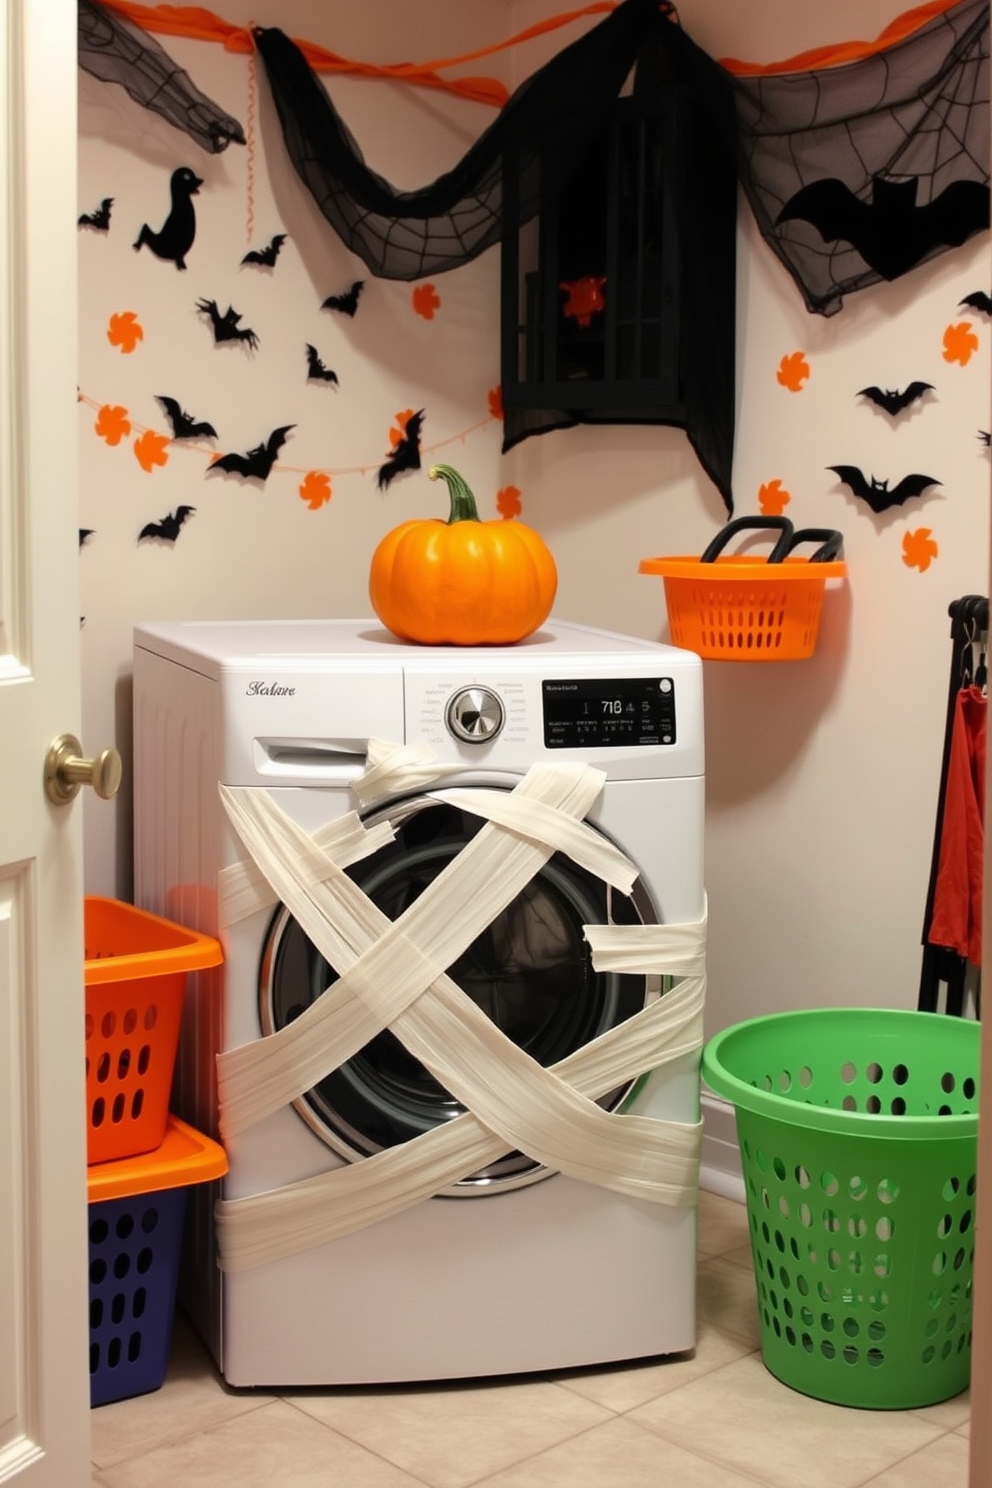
[(831, 543), (742, 524)]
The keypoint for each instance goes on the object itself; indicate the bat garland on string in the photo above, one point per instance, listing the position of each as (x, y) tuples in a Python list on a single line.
[(169, 528), (894, 401), (266, 257), (183, 424), (316, 371), (257, 462), (347, 303), (100, 219), (406, 453), (227, 327), (876, 492)]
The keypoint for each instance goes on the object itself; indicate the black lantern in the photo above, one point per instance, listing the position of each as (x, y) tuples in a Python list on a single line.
[(627, 262), (591, 285)]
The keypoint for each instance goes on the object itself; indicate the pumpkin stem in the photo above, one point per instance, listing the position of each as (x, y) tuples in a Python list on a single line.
[(463, 507)]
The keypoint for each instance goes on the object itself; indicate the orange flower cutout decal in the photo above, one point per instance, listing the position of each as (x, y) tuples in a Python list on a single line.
[(793, 371), (112, 423), (772, 500), (919, 549), (150, 450), (315, 489), (400, 421), (960, 342), (426, 300), (508, 502), (496, 402), (124, 331)]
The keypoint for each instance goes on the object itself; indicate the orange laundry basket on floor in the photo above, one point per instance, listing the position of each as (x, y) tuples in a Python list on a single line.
[(135, 974), (742, 607)]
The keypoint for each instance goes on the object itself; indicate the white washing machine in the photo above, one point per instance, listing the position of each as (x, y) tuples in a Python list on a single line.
[(522, 1263)]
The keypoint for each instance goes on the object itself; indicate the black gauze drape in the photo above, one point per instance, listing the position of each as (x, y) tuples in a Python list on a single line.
[(411, 234), (115, 51), (554, 116), (915, 114)]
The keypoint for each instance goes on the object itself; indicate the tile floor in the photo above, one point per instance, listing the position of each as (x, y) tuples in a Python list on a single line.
[(715, 1419)]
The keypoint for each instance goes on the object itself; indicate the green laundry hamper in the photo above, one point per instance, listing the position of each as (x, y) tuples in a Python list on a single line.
[(858, 1135)]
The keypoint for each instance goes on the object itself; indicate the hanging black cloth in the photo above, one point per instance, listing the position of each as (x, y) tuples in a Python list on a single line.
[(556, 114), (113, 50), (858, 172), (653, 208), (412, 234)]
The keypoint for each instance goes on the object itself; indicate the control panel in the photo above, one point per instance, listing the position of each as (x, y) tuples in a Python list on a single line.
[(608, 712), (576, 713)]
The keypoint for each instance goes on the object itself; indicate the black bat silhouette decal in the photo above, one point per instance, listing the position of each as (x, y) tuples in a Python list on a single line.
[(316, 371), (257, 462), (986, 437), (227, 327), (175, 237), (876, 493), (893, 401), (891, 232), (100, 219), (85, 533), (170, 526), (268, 255), (183, 424), (979, 301), (406, 455), (347, 303)]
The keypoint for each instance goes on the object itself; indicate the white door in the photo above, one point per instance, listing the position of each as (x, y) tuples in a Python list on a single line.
[(44, 1376)]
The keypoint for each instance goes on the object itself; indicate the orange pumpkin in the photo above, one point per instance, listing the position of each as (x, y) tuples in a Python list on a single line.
[(462, 582)]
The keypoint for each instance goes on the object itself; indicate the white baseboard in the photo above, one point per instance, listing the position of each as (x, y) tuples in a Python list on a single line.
[(720, 1166)]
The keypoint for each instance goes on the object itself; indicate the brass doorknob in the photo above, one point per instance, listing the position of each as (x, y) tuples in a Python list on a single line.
[(66, 771)]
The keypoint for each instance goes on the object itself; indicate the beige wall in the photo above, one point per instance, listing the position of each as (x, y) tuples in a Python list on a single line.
[(822, 775)]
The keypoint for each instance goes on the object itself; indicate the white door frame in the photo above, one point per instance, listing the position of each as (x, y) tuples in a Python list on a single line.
[(44, 1379)]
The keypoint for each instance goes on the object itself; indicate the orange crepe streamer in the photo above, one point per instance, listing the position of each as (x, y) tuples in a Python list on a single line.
[(199, 24)]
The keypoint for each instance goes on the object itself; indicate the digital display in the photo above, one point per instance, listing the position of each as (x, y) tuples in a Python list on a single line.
[(608, 713)]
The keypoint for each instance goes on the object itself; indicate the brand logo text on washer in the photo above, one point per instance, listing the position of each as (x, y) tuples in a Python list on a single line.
[(269, 689)]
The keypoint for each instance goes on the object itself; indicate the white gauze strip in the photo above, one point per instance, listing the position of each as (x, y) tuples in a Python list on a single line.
[(401, 959), (266, 1227), (637, 948), (398, 769), (512, 1094), (242, 889), (589, 849), (454, 1039), (522, 1104)]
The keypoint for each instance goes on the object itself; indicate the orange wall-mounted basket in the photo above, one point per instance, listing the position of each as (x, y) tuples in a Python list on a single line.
[(739, 607)]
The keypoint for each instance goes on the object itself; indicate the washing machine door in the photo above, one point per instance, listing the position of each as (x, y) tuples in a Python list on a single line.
[(530, 971)]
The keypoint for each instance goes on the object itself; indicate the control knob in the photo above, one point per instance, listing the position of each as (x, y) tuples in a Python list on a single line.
[(475, 715)]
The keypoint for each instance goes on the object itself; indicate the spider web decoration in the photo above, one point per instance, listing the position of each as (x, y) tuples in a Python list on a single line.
[(116, 52), (917, 111), (413, 234), (548, 124)]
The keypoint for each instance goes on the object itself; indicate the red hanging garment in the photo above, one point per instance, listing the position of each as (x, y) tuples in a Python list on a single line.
[(956, 921)]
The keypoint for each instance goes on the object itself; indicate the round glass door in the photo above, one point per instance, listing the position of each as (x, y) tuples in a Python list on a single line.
[(530, 971)]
